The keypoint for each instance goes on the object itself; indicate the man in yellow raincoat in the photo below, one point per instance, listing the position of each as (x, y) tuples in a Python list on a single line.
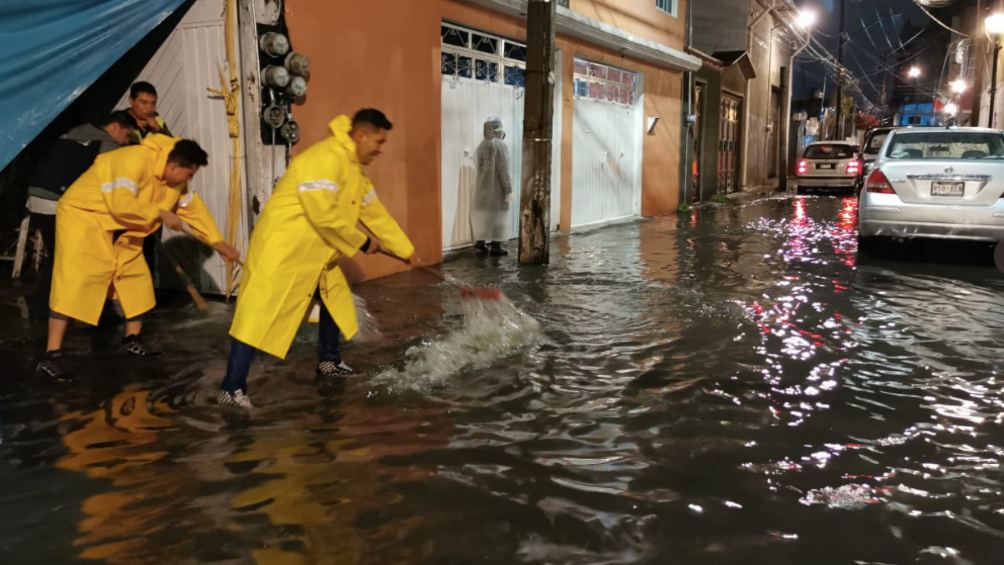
[(310, 222), (101, 221)]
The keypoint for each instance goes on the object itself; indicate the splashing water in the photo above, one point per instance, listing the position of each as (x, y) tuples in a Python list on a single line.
[(491, 329), (369, 329)]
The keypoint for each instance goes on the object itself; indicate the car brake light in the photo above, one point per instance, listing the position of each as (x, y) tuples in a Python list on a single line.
[(803, 166), (854, 167), (877, 182)]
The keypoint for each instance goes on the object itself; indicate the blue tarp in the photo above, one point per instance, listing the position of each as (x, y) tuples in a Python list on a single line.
[(52, 50)]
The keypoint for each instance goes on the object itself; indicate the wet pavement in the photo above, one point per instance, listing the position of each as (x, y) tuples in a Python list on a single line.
[(732, 386)]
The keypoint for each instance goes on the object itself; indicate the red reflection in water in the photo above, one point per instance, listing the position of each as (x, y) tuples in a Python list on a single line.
[(800, 216), (848, 216), (845, 241)]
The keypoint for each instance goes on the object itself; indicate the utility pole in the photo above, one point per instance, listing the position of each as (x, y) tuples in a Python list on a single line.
[(840, 76), (538, 113), (993, 82)]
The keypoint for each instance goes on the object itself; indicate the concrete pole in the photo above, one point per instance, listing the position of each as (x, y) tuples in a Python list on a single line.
[(789, 77), (840, 77), (538, 113), (993, 83)]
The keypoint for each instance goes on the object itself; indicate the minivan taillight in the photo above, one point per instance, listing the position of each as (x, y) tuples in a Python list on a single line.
[(854, 167), (877, 182), (803, 167)]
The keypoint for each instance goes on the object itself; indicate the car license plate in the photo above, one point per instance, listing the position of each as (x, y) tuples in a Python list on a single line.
[(948, 188), (825, 165)]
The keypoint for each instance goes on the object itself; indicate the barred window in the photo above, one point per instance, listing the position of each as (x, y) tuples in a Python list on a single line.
[(471, 54), (668, 6)]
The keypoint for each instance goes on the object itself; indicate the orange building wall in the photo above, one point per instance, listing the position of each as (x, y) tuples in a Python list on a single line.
[(637, 17), (386, 54), (382, 54)]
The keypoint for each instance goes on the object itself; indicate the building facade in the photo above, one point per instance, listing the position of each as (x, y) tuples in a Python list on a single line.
[(439, 68), (738, 100)]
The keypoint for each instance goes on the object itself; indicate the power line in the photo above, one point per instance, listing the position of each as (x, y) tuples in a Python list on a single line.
[(939, 22)]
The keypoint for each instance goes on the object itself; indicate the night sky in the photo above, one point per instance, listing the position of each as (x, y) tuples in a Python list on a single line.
[(875, 28)]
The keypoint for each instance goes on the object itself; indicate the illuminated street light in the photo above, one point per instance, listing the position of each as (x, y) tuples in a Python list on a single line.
[(995, 23), (958, 86), (805, 19), (914, 72)]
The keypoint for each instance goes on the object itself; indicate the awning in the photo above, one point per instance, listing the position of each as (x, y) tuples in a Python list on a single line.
[(52, 50)]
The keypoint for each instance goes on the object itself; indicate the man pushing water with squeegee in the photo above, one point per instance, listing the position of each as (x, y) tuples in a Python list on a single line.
[(311, 221)]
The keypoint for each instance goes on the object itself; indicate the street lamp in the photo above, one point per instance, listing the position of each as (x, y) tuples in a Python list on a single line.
[(914, 72), (994, 25), (958, 86), (805, 19)]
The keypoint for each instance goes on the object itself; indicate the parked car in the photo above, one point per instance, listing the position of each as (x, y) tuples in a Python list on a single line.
[(874, 138), (829, 164), (944, 182)]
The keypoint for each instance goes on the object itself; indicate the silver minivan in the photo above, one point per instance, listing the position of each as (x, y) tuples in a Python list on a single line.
[(935, 182)]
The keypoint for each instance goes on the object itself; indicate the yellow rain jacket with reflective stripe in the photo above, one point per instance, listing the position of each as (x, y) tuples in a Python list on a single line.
[(309, 222), (101, 221)]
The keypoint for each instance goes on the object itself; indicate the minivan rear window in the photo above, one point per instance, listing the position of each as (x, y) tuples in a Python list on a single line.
[(946, 145), (829, 151)]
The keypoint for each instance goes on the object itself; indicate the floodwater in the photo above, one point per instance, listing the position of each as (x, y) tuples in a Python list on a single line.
[(735, 385)]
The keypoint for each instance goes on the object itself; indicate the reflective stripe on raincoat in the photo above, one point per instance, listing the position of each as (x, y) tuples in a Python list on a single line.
[(101, 221), (308, 223)]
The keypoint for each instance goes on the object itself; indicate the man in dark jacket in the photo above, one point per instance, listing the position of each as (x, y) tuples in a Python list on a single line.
[(62, 163), (143, 108)]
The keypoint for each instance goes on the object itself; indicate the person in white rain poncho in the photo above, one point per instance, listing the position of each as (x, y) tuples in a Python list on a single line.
[(492, 191)]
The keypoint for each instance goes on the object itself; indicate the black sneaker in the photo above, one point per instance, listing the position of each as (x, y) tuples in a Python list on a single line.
[(134, 346), (497, 250), (51, 366), (480, 247), (334, 369)]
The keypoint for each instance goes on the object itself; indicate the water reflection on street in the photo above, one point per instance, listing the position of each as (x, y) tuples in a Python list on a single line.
[(734, 385)]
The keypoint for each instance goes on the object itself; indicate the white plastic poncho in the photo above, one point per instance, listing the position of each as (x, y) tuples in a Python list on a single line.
[(493, 186)]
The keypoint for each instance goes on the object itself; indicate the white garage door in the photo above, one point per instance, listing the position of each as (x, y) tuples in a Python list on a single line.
[(607, 140), (483, 76)]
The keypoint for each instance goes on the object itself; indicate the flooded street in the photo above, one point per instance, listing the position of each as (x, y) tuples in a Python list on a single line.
[(734, 385)]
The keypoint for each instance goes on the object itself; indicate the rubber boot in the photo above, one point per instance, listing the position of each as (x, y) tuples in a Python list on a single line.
[(497, 250)]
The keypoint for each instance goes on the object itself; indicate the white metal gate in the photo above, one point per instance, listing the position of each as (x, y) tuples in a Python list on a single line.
[(182, 70), (607, 134), (483, 76)]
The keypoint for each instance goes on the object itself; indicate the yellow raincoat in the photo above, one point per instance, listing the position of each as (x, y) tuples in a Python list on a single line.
[(309, 222), (101, 221)]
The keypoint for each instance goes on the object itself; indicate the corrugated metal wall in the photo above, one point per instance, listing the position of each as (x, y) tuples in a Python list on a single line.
[(184, 68), (466, 104)]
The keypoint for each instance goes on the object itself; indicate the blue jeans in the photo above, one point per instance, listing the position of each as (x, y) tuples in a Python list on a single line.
[(242, 354)]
